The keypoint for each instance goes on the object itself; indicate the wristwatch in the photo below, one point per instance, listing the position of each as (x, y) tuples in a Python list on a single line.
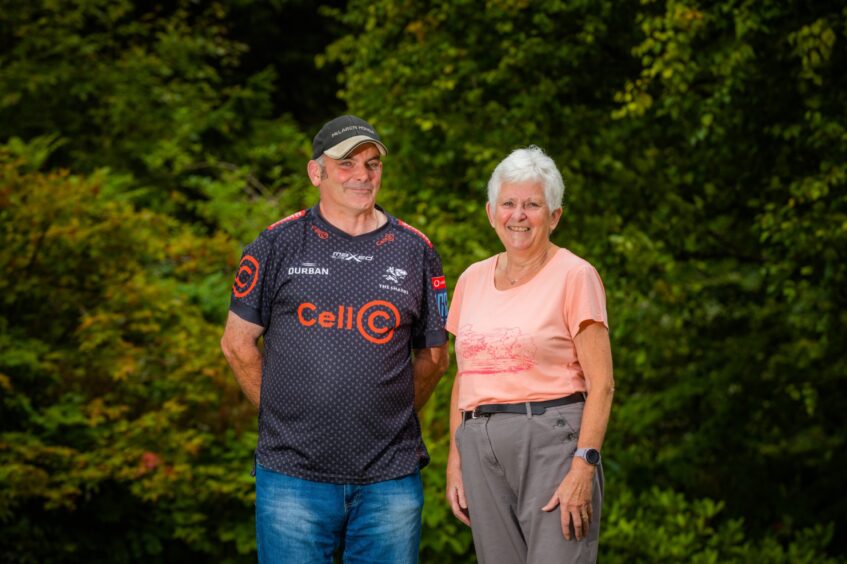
[(590, 455)]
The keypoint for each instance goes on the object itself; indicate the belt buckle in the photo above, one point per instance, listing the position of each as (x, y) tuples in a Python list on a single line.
[(475, 414)]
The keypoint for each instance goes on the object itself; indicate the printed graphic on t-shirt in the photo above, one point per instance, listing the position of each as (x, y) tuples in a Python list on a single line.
[(500, 350)]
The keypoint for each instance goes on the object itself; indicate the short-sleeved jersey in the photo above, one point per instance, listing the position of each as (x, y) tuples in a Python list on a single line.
[(341, 317), (516, 345)]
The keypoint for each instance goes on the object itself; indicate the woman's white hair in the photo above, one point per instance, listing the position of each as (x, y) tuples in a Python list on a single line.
[(527, 165)]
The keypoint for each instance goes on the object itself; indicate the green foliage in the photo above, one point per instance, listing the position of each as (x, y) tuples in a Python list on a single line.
[(129, 85), (704, 150), (116, 402), (445, 538), (157, 93), (662, 526)]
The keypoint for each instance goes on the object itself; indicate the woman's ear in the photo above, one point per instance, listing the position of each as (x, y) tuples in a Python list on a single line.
[(554, 218)]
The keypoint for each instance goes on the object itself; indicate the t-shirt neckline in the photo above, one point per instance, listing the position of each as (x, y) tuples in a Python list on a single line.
[(316, 210), (493, 271)]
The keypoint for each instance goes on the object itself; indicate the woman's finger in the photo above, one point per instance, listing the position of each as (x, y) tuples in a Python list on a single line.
[(459, 506), (552, 504)]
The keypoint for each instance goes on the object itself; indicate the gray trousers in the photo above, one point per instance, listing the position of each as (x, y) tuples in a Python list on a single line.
[(511, 466)]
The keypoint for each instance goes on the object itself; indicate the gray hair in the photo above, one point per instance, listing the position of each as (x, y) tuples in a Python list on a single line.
[(528, 164), (322, 163)]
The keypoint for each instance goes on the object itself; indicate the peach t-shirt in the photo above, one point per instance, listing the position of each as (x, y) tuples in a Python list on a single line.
[(516, 345)]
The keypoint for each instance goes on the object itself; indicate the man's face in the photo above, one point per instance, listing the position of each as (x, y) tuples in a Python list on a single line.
[(349, 184)]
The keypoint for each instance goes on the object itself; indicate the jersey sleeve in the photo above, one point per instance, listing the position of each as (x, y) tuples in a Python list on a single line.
[(251, 282), (453, 320), (428, 330), (585, 298)]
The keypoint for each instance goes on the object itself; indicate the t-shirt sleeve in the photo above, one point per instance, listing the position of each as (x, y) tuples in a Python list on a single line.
[(585, 298), (456, 305), (252, 281), (428, 330)]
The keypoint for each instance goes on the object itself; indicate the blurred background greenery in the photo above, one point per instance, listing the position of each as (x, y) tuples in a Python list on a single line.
[(704, 149)]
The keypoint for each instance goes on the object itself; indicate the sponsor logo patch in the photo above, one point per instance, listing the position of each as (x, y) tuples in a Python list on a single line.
[(387, 238), (375, 321), (353, 257), (308, 268), (441, 301), (320, 232), (246, 277), (439, 287)]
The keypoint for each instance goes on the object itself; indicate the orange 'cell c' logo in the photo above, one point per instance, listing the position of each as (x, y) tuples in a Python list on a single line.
[(375, 321), (245, 279)]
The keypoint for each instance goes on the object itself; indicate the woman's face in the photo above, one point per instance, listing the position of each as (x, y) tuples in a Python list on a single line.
[(521, 217)]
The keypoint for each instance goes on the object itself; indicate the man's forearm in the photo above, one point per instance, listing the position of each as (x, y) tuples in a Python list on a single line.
[(427, 367), (247, 367), (240, 347)]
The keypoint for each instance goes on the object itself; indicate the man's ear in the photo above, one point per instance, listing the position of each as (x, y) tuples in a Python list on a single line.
[(314, 171)]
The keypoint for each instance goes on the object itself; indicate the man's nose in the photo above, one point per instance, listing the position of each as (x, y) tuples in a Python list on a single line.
[(360, 171)]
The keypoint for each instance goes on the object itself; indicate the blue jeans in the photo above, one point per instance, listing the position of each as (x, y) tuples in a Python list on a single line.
[(300, 522)]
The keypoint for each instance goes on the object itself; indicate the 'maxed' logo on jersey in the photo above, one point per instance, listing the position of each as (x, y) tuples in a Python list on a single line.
[(375, 321), (351, 256)]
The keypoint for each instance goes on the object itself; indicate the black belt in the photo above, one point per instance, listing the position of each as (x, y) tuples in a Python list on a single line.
[(536, 407)]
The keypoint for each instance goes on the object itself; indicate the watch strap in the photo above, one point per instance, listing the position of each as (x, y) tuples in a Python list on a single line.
[(590, 455)]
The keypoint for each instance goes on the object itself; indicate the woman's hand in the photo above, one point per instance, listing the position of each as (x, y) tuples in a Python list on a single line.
[(573, 496), (456, 489)]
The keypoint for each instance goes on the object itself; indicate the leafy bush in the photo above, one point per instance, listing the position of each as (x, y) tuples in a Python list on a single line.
[(122, 434)]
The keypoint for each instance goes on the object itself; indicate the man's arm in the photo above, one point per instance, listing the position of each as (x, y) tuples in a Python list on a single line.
[(240, 347), (428, 366)]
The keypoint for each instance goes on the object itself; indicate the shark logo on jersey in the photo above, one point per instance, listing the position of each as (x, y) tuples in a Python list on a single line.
[(396, 275)]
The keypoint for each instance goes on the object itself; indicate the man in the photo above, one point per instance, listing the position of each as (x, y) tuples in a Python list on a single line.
[(351, 303)]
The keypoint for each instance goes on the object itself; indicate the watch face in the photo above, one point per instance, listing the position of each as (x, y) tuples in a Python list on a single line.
[(592, 456)]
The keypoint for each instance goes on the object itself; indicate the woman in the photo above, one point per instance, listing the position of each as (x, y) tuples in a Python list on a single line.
[(534, 388)]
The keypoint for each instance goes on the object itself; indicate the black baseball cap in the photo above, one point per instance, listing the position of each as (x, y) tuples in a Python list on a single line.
[(340, 136)]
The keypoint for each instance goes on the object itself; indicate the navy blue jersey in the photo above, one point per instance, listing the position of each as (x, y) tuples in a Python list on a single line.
[(341, 317)]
